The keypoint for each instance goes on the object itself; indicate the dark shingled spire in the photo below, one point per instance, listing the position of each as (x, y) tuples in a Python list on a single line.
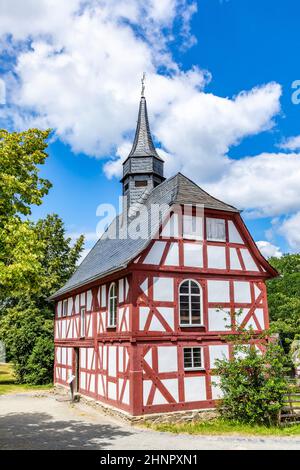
[(143, 169), (143, 143)]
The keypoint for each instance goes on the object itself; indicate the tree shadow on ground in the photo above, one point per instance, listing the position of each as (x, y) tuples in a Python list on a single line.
[(39, 431)]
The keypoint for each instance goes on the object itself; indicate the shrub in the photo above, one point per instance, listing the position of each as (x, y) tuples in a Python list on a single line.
[(253, 384)]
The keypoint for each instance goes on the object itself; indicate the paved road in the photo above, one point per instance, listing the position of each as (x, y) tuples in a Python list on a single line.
[(31, 422)]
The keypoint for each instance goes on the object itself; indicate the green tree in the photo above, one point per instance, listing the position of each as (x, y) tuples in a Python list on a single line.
[(20, 184), (253, 384), (35, 258), (284, 298)]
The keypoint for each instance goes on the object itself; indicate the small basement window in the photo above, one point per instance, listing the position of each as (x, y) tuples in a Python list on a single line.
[(193, 359), (140, 184), (215, 230)]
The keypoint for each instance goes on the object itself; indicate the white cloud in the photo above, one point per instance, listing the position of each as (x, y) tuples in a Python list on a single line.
[(268, 249), (266, 185), (292, 143), (290, 229), (78, 68)]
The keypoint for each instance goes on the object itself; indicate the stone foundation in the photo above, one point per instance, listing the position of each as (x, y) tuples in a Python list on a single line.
[(187, 416)]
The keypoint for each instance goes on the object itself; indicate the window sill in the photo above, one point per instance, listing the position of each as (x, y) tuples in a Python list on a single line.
[(196, 369), (192, 326)]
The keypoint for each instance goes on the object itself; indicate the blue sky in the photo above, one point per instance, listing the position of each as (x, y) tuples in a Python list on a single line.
[(199, 58)]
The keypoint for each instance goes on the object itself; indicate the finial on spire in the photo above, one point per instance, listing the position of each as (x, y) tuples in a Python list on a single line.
[(143, 84)]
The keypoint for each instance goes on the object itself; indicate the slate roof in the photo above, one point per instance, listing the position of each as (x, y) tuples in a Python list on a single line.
[(143, 143), (112, 254)]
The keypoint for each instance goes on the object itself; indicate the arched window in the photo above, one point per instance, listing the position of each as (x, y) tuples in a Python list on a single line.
[(112, 305), (190, 303)]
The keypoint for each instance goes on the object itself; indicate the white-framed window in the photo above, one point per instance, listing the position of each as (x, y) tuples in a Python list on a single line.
[(82, 322), (190, 303), (112, 305), (215, 230), (65, 308), (193, 358)]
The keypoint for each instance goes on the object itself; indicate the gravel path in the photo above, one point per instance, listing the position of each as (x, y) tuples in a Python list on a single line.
[(28, 421)]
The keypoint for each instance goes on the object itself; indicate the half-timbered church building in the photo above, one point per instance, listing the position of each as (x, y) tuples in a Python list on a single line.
[(145, 316)]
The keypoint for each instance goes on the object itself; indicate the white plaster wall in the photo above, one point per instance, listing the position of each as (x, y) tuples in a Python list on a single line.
[(59, 307), (172, 258), (103, 296), (168, 314), (192, 227), (217, 351), (234, 236), (163, 289), (144, 286), (77, 304), (193, 255), (146, 390), (215, 388), (159, 399), (218, 291), (194, 388), (70, 305), (172, 387), (143, 315), (167, 358), (112, 361), (234, 260), (82, 354), (259, 312), (82, 299), (171, 227), (250, 265), (155, 254), (242, 292), (112, 390), (216, 257), (121, 290), (89, 299), (219, 319)]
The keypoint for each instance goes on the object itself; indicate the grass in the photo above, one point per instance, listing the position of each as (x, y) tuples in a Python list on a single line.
[(8, 382), (222, 427)]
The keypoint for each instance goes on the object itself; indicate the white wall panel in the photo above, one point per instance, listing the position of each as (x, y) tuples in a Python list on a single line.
[(112, 361), (218, 319), (144, 286), (146, 390), (121, 290), (103, 296), (172, 258), (159, 399), (112, 390), (234, 236), (167, 358), (234, 260), (242, 292), (77, 304), (155, 254), (194, 388), (193, 255), (172, 387), (250, 265), (216, 257), (89, 299), (218, 291), (171, 227), (217, 351), (259, 312), (215, 388), (163, 289), (70, 305), (168, 314), (144, 312)]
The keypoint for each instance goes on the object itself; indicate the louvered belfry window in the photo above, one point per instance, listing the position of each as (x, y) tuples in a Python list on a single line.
[(190, 303)]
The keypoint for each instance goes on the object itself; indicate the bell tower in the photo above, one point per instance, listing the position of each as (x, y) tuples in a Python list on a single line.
[(143, 169)]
